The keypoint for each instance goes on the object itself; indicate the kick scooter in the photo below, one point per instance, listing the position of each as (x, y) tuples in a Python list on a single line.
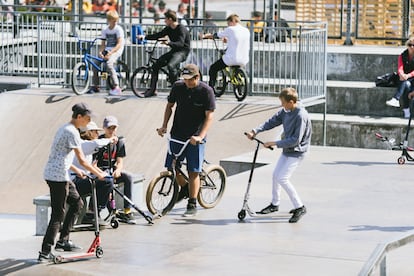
[(403, 146), (246, 208), (95, 248)]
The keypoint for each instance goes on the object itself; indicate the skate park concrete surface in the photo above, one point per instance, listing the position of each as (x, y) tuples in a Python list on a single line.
[(356, 198)]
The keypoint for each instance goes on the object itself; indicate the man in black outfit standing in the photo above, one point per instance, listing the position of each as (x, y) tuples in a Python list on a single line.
[(179, 41)]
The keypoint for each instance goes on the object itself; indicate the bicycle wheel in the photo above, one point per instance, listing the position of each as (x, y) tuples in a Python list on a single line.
[(141, 81), (240, 84), (212, 185), (81, 78), (162, 192), (221, 83), (122, 71)]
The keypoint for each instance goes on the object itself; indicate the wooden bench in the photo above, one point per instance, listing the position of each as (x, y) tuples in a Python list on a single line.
[(43, 209)]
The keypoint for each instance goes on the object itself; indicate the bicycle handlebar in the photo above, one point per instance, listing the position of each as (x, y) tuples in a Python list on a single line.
[(260, 142), (183, 143)]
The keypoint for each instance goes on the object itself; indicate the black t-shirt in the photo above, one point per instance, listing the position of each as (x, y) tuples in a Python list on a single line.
[(191, 107), (117, 150), (179, 38)]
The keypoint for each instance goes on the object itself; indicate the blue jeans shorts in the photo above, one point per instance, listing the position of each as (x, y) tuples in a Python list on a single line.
[(194, 156)]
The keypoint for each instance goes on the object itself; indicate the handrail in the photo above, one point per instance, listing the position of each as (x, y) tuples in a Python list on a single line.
[(378, 257)]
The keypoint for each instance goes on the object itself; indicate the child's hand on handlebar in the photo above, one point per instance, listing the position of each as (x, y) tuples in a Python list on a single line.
[(250, 134), (269, 144)]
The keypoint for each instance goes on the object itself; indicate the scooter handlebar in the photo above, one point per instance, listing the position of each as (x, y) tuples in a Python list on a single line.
[(258, 141)]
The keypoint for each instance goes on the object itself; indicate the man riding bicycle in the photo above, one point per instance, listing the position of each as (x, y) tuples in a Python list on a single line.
[(238, 46), (179, 41), (111, 49)]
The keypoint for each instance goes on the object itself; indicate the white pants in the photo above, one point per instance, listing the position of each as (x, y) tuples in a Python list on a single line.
[(284, 169), (110, 64)]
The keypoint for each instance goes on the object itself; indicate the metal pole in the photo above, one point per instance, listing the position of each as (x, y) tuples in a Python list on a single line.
[(141, 3), (348, 40)]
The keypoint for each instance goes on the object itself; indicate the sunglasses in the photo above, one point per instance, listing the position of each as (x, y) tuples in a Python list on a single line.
[(410, 45)]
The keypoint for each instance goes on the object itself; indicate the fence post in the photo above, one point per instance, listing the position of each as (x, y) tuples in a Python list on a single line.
[(348, 40)]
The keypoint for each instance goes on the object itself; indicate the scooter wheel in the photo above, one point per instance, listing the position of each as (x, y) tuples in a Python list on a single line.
[(114, 223), (99, 252), (401, 160), (57, 259), (242, 215)]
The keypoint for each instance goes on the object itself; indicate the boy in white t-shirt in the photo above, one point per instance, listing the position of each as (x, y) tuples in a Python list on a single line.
[(238, 47), (111, 49)]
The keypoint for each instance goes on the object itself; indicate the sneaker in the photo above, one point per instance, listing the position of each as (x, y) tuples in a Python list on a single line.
[(297, 214), (126, 218), (183, 193), (62, 245), (191, 210), (149, 93), (406, 113), (93, 90), (393, 102), (115, 92), (269, 209), (45, 257)]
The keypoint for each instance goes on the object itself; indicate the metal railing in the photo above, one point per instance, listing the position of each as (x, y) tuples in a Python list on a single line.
[(38, 44), (378, 258)]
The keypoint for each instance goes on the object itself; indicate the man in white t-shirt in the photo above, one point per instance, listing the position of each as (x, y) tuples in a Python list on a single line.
[(238, 47)]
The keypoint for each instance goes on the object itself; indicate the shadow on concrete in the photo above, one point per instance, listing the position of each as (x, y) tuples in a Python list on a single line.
[(245, 110), (381, 228), (359, 164), (55, 99), (11, 265)]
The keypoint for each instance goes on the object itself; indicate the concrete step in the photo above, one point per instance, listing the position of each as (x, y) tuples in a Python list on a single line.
[(358, 98), (357, 131)]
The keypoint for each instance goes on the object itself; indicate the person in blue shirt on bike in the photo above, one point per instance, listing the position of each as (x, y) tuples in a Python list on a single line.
[(178, 41), (193, 117), (238, 46), (111, 49)]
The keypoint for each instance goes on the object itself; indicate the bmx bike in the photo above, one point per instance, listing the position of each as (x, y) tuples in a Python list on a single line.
[(82, 72), (141, 78), (234, 76), (162, 192)]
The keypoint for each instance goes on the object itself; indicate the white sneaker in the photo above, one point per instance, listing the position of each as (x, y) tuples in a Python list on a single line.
[(115, 92), (393, 102), (406, 113)]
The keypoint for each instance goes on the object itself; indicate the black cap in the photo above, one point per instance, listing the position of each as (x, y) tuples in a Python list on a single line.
[(81, 109)]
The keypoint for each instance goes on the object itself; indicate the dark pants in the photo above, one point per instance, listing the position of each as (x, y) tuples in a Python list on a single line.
[(404, 87), (127, 180), (60, 194), (172, 60), (103, 189), (214, 69)]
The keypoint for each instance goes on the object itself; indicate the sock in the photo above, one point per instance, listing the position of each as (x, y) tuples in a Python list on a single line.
[(192, 201), (127, 210)]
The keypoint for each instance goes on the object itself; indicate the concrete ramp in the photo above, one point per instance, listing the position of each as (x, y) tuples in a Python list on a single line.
[(31, 117)]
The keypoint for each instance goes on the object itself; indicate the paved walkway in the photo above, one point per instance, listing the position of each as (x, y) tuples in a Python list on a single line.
[(356, 198)]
